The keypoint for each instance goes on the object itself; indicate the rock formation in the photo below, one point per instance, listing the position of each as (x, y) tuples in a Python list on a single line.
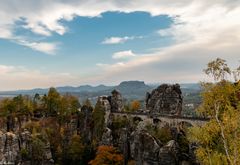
[(9, 148), (147, 150), (104, 102), (169, 153), (144, 148), (116, 101), (85, 123), (165, 100), (12, 145), (107, 138)]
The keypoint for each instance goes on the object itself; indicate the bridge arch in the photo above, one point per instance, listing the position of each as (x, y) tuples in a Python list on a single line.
[(184, 125), (137, 119), (156, 121)]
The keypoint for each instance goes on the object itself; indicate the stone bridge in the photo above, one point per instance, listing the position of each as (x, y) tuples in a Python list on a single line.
[(170, 120)]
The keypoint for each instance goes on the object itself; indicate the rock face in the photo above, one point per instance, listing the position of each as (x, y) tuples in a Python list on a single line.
[(107, 138), (146, 150), (116, 101), (104, 102), (165, 100), (12, 144), (9, 148), (85, 124), (169, 153)]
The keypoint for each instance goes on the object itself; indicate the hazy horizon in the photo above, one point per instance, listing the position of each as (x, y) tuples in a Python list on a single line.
[(96, 85)]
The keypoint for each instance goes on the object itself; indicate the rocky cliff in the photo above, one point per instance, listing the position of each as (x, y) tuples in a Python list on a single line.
[(165, 99), (14, 148), (116, 101)]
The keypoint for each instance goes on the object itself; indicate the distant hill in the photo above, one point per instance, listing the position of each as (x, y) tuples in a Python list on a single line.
[(132, 86), (83, 88), (129, 89), (64, 89)]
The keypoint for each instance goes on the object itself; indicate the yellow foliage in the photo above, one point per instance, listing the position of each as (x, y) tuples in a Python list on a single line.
[(135, 105), (107, 155), (219, 139)]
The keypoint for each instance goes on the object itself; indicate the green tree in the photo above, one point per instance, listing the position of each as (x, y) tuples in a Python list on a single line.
[(219, 139), (15, 108), (53, 101), (87, 103), (8, 111), (161, 133), (218, 69), (37, 151), (98, 119), (75, 150), (68, 106)]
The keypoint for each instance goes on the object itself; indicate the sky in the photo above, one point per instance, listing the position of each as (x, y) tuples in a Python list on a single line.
[(56, 43)]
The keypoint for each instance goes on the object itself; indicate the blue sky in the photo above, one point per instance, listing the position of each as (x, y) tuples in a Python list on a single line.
[(73, 43), (81, 48)]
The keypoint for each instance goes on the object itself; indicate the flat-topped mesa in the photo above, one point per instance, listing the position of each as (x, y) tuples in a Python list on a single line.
[(116, 101), (165, 100)]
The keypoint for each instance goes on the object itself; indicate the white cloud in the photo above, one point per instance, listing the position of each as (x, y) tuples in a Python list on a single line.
[(119, 40), (38, 29), (123, 54)]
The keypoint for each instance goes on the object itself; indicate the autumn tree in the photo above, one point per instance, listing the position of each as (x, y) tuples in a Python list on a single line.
[(219, 139), (135, 105), (107, 155)]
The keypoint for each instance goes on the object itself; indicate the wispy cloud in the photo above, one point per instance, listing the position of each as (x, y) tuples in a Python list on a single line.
[(123, 54), (119, 40), (102, 65), (180, 63), (19, 77), (6, 69), (46, 47)]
